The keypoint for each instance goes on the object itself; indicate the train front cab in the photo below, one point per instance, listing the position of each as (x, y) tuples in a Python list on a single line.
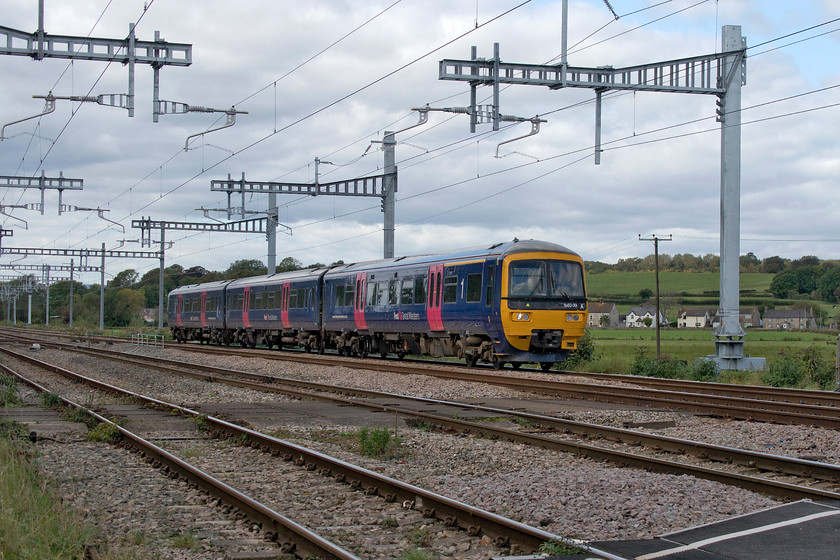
[(542, 307)]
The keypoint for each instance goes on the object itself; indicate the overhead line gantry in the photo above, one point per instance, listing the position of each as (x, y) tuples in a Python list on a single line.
[(719, 74)]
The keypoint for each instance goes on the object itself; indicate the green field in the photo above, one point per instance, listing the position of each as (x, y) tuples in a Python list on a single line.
[(616, 349)]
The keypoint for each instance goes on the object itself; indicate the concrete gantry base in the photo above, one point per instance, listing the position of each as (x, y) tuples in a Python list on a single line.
[(730, 354)]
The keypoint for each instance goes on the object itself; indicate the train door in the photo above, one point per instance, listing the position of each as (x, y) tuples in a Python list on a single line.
[(284, 304), (359, 301), (179, 308), (434, 297), (203, 309), (246, 306)]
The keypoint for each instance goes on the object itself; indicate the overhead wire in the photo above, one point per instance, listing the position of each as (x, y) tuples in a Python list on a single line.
[(587, 47), (331, 104)]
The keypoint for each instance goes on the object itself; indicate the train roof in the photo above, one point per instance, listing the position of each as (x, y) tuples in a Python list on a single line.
[(303, 274), (482, 251), (205, 286)]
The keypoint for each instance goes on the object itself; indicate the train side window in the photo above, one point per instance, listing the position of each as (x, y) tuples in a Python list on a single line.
[(350, 296), (450, 289), (292, 299), (269, 300), (339, 296), (382, 293), (437, 288), (393, 292), (371, 293), (301, 299), (474, 287), (257, 301), (407, 293), (420, 289), (491, 275), (240, 300)]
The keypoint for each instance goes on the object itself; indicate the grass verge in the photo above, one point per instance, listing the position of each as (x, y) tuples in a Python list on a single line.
[(33, 523)]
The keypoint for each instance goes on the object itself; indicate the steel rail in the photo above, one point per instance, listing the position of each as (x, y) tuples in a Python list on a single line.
[(730, 407), (716, 453), (756, 484), (502, 531), (771, 394), (290, 536)]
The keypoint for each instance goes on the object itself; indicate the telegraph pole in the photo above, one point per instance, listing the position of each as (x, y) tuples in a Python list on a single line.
[(656, 241)]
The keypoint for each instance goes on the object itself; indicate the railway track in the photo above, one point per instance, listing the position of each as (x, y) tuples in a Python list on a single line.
[(813, 479), (780, 396), (763, 404), (503, 532)]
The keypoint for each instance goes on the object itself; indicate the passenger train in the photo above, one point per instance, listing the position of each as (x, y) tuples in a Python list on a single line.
[(515, 302)]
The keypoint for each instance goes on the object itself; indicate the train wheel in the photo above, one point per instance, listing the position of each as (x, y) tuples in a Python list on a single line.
[(400, 355), (497, 363), (471, 359), (545, 366), (516, 365)]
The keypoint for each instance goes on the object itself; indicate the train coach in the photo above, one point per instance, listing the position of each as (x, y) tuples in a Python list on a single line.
[(515, 302)]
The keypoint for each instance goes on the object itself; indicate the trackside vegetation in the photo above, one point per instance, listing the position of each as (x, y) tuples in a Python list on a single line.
[(33, 523)]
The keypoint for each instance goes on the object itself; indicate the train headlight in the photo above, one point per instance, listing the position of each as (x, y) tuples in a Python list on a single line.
[(520, 316), (573, 318)]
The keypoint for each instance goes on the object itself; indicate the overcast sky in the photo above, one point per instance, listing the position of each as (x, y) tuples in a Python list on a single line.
[(325, 79)]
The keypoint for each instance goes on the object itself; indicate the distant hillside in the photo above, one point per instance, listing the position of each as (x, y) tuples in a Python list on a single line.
[(691, 288)]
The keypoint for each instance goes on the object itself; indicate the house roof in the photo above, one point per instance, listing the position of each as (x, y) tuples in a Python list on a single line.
[(642, 311), (596, 307), (698, 312)]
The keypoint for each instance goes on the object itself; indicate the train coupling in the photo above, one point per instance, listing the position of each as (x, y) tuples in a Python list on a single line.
[(546, 340)]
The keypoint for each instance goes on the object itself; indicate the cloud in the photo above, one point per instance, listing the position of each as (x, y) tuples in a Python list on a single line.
[(660, 167)]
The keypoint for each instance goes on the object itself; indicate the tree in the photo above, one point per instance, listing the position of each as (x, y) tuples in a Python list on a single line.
[(123, 307), (808, 260), (288, 265), (645, 294), (800, 280), (244, 268), (773, 265), (125, 279), (749, 262), (829, 284)]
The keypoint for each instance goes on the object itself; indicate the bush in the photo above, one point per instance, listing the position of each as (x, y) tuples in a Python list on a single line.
[(667, 367), (806, 368), (584, 352), (8, 391), (107, 433), (376, 442)]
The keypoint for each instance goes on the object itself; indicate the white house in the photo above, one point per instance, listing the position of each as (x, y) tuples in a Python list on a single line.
[(637, 315), (695, 318)]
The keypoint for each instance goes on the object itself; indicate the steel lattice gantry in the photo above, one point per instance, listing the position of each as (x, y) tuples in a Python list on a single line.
[(146, 225), (42, 183), (84, 255), (127, 51), (720, 74), (382, 186)]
